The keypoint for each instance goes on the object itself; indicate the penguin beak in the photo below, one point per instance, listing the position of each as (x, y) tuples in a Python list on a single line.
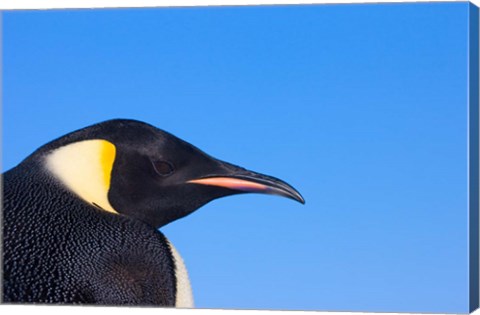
[(250, 182)]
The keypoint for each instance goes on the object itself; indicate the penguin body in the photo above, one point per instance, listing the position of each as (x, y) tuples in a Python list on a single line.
[(62, 250), (81, 215)]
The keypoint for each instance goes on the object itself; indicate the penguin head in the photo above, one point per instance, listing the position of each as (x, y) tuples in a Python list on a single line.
[(131, 168)]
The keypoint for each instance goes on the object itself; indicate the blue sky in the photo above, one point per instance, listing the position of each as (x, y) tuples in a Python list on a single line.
[(363, 108)]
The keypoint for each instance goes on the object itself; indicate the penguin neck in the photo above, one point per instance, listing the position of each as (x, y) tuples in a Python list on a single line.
[(27, 185), (31, 181)]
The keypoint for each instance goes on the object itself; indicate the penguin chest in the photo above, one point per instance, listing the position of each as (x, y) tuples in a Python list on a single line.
[(132, 279), (140, 268), (129, 264)]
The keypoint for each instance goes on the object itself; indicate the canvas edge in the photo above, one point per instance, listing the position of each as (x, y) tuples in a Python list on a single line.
[(473, 100)]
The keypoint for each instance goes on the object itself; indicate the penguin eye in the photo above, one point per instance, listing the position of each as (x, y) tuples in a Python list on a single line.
[(163, 168)]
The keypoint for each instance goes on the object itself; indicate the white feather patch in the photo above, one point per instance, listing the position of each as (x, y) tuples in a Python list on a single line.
[(184, 296)]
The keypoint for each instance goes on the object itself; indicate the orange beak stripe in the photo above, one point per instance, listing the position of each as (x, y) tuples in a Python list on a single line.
[(232, 183)]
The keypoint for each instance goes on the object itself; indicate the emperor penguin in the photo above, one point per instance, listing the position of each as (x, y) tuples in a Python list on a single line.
[(81, 215)]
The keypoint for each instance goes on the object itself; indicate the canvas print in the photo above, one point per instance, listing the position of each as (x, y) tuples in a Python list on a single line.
[(294, 157)]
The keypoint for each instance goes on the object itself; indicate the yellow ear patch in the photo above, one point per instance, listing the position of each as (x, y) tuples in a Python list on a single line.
[(107, 157), (85, 167)]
